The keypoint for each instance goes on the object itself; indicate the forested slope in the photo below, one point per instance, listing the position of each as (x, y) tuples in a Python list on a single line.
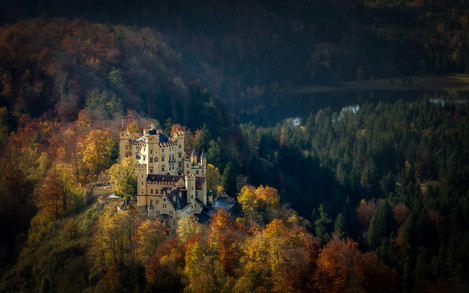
[(373, 200), (263, 47)]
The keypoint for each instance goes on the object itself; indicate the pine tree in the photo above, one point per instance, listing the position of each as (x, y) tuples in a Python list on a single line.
[(340, 225), (380, 226), (228, 180), (321, 223)]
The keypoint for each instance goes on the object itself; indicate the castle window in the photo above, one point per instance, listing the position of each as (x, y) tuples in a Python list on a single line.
[(126, 147), (137, 156), (162, 158), (151, 152), (142, 182), (162, 167), (151, 191), (142, 191), (179, 155), (151, 169), (179, 146), (151, 160), (179, 164), (156, 159), (156, 191), (197, 172), (144, 158)]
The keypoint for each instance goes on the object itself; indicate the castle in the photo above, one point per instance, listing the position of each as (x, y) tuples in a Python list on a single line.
[(169, 185)]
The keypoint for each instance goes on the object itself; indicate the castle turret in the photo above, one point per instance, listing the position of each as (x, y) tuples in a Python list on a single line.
[(194, 157), (151, 142), (190, 187), (124, 145), (203, 158), (203, 163), (141, 178)]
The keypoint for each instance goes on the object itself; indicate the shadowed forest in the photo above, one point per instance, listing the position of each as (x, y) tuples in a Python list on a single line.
[(372, 198)]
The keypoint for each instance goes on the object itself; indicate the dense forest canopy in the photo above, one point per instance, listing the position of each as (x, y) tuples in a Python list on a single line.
[(371, 197), (253, 48)]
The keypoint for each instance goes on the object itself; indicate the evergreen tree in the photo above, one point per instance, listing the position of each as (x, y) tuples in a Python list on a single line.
[(228, 180), (321, 223), (340, 225), (215, 153), (380, 226), (168, 125)]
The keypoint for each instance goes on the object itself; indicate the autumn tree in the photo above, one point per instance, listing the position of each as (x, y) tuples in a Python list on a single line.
[(199, 266), (341, 266), (226, 238), (59, 192), (96, 150), (164, 271), (279, 258), (114, 243), (149, 235), (84, 120), (123, 177), (213, 178), (259, 203), (188, 226), (132, 127)]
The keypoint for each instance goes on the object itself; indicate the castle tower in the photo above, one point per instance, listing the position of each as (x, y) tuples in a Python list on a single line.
[(190, 187), (124, 145), (151, 150), (141, 185)]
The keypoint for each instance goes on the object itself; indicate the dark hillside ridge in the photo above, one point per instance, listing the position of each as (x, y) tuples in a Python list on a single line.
[(235, 46)]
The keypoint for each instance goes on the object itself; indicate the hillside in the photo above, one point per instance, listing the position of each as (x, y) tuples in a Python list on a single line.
[(372, 197), (235, 46)]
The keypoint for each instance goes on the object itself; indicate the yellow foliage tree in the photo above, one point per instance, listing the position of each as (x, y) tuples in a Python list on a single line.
[(132, 127), (123, 177), (96, 150), (188, 226), (213, 178), (149, 235)]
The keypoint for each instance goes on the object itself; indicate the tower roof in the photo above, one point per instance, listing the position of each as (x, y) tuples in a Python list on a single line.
[(203, 154), (193, 152)]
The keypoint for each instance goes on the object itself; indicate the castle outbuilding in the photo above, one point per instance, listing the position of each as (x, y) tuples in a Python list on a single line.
[(169, 185)]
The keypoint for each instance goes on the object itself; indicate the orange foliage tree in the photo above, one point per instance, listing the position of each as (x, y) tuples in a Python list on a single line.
[(341, 266)]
